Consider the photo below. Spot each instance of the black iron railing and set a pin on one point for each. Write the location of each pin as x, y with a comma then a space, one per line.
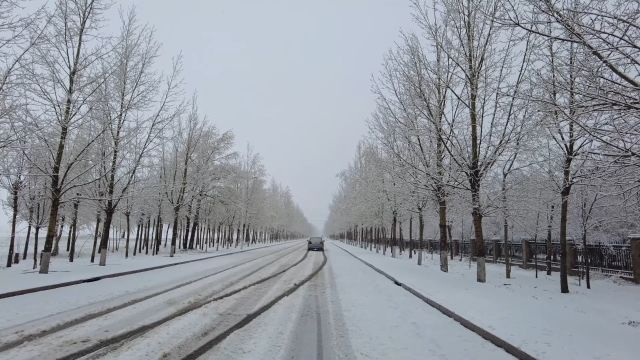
606, 258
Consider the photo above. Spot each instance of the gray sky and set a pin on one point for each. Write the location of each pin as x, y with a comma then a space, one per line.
292, 77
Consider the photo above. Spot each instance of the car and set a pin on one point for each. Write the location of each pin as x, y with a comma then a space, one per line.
315, 243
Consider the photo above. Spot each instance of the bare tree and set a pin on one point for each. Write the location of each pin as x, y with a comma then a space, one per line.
189, 134
136, 110
65, 78
560, 104
483, 54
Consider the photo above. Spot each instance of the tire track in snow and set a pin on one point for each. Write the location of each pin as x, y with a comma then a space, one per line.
40, 333
289, 330
136, 332
122, 336
319, 344
201, 350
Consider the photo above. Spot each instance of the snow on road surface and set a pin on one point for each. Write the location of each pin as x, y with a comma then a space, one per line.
530, 313
179, 337
240, 269
88, 297
351, 312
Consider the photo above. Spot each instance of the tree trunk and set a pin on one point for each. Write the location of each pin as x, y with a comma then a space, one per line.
106, 227
135, 243
35, 246
153, 238
476, 213
73, 230
442, 218
411, 237
585, 257
196, 222
549, 225
218, 237
244, 239
14, 208
535, 241
95, 236
166, 235
401, 238
159, 226
146, 235
56, 193
394, 229
185, 235
420, 235
69, 238
174, 232
29, 226
56, 244
505, 230
564, 281
127, 216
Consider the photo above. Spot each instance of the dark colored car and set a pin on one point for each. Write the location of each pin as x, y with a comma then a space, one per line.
315, 243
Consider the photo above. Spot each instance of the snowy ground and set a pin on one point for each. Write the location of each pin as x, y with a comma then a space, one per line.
347, 311
601, 323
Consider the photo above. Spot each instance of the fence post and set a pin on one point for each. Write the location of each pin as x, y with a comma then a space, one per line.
572, 256
525, 254
635, 256
496, 250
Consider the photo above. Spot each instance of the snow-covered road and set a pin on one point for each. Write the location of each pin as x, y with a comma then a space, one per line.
66, 330
345, 311
349, 311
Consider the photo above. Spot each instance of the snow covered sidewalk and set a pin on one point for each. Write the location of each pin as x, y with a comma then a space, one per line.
601, 323
22, 276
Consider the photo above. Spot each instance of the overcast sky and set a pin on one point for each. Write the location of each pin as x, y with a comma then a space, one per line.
291, 77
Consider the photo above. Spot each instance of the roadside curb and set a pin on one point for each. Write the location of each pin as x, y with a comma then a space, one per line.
123, 273
492, 338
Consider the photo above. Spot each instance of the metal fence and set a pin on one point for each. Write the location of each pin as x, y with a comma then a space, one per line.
606, 258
